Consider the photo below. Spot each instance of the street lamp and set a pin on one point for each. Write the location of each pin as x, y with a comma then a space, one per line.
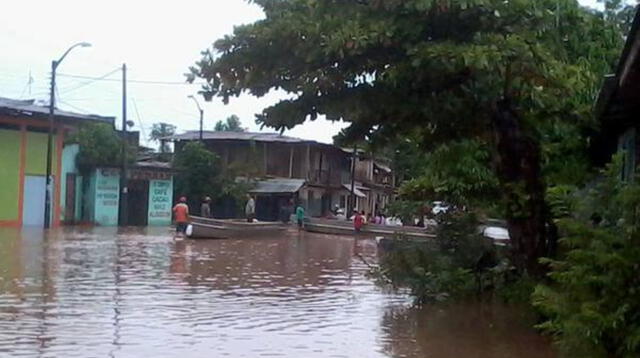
52, 99
201, 114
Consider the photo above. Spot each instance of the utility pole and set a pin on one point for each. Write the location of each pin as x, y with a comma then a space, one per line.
201, 114
352, 198
52, 101
124, 190
52, 106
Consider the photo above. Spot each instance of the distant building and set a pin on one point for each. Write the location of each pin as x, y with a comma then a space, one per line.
618, 108
375, 182
316, 174
23, 149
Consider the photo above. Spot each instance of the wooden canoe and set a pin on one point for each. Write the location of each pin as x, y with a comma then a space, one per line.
205, 228
341, 227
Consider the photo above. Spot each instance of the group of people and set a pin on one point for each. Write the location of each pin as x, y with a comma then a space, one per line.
181, 214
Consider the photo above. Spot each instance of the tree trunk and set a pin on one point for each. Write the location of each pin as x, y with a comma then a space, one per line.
519, 172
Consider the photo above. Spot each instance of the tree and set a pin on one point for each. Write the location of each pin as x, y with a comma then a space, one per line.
488, 70
198, 172
200, 175
100, 145
231, 124
159, 132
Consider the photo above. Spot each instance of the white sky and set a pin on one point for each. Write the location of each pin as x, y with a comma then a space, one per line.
157, 40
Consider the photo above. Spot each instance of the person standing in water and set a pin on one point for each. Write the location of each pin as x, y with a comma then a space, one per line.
250, 209
181, 213
300, 216
205, 208
358, 221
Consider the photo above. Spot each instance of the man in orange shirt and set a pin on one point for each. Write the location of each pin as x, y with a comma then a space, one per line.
181, 212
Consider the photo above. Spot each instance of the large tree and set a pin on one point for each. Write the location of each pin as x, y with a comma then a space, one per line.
490, 70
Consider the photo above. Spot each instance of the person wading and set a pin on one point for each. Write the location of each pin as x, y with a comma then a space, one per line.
181, 213
250, 209
358, 221
300, 216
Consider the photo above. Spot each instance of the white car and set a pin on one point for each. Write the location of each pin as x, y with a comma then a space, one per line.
439, 207
499, 235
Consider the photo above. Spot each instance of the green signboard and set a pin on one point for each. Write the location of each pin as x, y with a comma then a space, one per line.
160, 200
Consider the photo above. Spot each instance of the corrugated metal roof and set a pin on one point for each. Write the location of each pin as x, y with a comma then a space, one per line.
278, 186
16, 107
153, 164
243, 136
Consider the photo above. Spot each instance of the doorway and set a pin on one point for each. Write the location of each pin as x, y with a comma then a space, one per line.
70, 198
33, 201
138, 202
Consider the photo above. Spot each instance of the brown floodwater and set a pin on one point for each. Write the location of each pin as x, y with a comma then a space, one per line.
138, 293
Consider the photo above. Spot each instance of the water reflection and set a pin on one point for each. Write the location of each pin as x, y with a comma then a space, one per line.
137, 292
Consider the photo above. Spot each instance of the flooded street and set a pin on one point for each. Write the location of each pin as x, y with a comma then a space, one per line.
104, 293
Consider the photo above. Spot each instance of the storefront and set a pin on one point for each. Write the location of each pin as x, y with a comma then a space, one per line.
150, 196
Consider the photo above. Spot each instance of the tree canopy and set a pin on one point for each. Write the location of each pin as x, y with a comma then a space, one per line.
100, 145
386, 65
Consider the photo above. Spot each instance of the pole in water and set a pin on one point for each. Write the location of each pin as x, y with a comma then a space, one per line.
124, 190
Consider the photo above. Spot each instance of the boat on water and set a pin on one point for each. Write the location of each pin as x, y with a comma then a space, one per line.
205, 228
342, 227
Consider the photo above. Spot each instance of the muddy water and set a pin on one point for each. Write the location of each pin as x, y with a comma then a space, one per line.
108, 293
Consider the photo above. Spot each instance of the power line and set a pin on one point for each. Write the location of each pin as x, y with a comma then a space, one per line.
74, 107
168, 83
103, 77
135, 107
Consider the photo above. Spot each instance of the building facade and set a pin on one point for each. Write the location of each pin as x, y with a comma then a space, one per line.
288, 169
23, 148
150, 196
618, 108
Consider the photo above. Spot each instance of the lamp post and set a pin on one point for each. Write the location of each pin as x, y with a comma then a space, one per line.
201, 114
52, 99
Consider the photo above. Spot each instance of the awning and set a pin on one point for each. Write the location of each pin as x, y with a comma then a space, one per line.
356, 191
278, 186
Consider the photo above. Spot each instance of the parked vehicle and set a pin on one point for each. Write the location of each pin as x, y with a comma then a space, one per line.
440, 207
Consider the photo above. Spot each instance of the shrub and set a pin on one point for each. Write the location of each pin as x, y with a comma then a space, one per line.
450, 266
592, 303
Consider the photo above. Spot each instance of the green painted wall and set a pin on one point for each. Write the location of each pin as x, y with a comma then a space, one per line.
37, 154
9, 174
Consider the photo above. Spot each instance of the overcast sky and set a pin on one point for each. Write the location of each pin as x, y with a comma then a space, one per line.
157, 40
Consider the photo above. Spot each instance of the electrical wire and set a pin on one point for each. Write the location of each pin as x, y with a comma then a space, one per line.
167, 83
84, 111
135, 107
103, 77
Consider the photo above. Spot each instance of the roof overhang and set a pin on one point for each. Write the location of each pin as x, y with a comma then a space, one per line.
29, 109
278, 186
